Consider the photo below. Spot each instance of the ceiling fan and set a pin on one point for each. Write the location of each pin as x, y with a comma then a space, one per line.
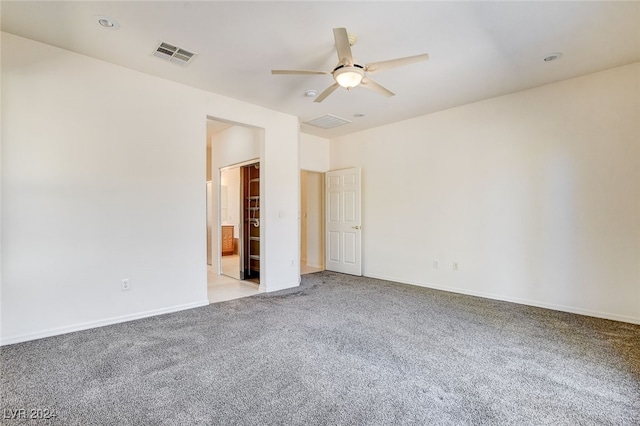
349, 74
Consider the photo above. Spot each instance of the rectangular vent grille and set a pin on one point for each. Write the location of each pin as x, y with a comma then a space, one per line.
174, 54
328, 121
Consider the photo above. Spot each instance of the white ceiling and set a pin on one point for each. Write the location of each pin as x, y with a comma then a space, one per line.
478, 50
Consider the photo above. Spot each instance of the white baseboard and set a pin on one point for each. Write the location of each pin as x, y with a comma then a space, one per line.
282, 286
315, 265
99, 323
562, 308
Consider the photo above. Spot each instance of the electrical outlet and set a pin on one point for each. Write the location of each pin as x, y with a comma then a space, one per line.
436, 264
126, 286
456, 266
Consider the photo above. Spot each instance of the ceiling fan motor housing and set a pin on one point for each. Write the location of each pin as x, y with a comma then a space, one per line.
348, 76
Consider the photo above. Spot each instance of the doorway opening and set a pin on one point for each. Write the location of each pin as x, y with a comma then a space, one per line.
250, 262
232, 148
312, 249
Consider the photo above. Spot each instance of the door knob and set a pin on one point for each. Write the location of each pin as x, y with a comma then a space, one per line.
356, 227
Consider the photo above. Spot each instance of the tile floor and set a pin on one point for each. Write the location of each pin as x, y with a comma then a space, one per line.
222, 287
227, 287
231, 266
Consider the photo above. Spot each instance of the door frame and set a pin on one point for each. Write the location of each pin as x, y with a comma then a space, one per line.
260, 129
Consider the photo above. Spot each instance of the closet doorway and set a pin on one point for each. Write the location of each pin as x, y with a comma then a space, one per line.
250, 255
311, 222
240, 222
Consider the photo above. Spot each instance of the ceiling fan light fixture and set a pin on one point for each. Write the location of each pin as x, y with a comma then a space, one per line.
348, 77
349, 73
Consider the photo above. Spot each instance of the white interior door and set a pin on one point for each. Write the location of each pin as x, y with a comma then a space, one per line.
343, 242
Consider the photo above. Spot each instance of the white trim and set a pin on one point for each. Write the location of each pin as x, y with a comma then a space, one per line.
98, 323
283, 286
552, 306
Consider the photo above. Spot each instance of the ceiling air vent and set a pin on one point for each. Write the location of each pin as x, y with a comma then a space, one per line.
174, 54
327, 121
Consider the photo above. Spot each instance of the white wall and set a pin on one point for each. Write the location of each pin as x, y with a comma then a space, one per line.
314, 153
103, 172
536, 195
235, 145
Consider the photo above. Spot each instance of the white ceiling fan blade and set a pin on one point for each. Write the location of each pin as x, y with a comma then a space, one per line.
304, 72
329, 90
342, 46
370, 84
394, 63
